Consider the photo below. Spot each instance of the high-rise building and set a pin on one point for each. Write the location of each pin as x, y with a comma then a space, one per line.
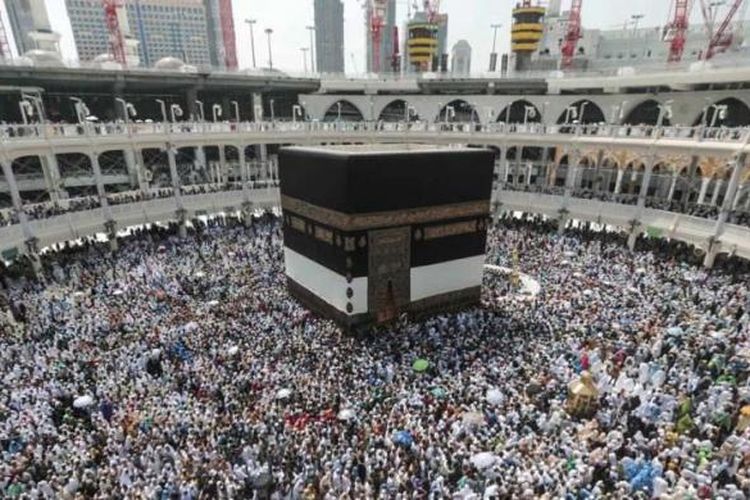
329, 36
388, 40
461, 58
30, 24
426, 43
199, 32
221, 37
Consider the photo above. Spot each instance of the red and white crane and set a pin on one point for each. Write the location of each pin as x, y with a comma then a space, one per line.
572, 34
432, 9
721, 38
676, 29
377, 11
116, 40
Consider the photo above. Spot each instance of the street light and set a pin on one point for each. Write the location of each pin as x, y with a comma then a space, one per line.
312, 29
528, 112
82, 111
202, 114
665, 111
27, 111
269, 31
296, 111
570, 112
250, 23
304, 57
176, 112
163, 106
128, 109
493, 55
236, 106
217, 112
720, 111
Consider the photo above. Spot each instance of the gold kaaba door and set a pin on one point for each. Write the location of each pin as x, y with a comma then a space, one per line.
389, 280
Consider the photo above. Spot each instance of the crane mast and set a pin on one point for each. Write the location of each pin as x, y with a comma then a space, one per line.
572, 34
116, 40
677, 30
721, 38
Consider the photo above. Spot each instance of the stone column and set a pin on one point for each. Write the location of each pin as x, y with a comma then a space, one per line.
717, 189
200, 159
15, 196
260, 149
738, 196
52, 177
99, 179
673, 185
645, 184
704, 189
618, 182
243, 173
223, 161
732, 191
174, 174
571, 176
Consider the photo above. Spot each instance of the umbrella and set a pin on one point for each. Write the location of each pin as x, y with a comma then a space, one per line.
473, 418
569, 253
494, 397
420, 365
403, 438
346, 414
483, 460
675, 330
438, 392
191, 326
213, 303
117, 293
232, 351
199, 274
83, 401
588, 292
283, 393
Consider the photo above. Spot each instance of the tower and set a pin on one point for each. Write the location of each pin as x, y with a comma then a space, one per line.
526, 32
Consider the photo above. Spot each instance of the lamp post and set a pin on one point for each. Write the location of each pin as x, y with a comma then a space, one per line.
570, 112
236, 106
269, 31
665, 111
27, 110
635, 18
163, 107
250, 23
217, 112
82, 111
312, 29
128, 109
493, 55
202, 114
176, 112
273, 112
720, 111
528, 112
304, 57
296, 111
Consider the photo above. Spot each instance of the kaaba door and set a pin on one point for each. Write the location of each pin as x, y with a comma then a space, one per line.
389, 280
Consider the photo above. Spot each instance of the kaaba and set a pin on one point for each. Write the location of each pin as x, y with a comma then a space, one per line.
374, 231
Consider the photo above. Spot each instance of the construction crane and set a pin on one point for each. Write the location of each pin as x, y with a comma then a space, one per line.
572, 34
676, 30
376, 14
432, 9
116, 40
721, 38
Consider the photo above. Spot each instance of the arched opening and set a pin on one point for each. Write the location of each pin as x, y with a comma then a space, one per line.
728, 112
584, 112
397, 110
646, 113
77, 174
156, 167
343, 110
520, 111
190, 170
458, 111
114, 169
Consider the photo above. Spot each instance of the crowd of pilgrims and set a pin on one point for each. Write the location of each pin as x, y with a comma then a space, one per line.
181, 368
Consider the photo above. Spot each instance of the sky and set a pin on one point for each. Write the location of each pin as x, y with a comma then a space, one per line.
468, 19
